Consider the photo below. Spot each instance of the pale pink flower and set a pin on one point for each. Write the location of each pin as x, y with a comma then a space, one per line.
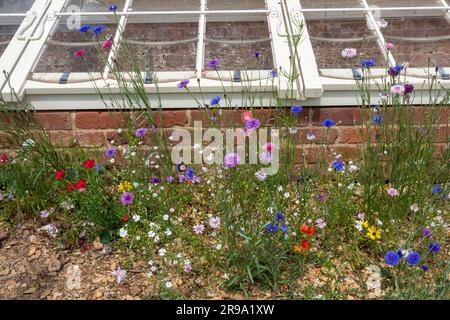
349, 53
214, 222
198, 228
398, 89
392, 192
389, 45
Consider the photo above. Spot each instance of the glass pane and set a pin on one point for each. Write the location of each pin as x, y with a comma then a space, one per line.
91, 5
419, 41
165, 5
160, 45
60, 53
311, 4
236, 4
9, 25
403, 3
330, 37
239, 45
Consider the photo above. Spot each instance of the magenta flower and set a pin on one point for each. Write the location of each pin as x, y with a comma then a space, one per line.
107, 44
79, 53
183, 84
127, 198
213, 63
231, 160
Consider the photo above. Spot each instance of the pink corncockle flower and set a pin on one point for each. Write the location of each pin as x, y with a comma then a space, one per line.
349, 53
79, 53
269, 147
198, 228
389, 45
107, 44
214, 222
392, 192
398, 89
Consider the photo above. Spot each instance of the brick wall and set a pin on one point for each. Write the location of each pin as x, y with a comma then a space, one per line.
99, 128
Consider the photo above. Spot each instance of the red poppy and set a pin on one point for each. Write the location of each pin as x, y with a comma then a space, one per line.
305, 245
247, 115
125, 218
81, 185
70, 187
4, 158
304, 228
59, 174
89, 164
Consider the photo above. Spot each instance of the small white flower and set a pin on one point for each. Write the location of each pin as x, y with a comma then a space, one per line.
168, 284
286, 195
120, 275
119, 130
172, 210
414, 207
136, 217
123, 232
151, 234
162, 252
168, 232
166, 217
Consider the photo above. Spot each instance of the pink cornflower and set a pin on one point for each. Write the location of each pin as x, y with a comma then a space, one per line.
389, 45
198, 228
392, 192
214, 222
320, 223
398, 89
79, 53
349, 53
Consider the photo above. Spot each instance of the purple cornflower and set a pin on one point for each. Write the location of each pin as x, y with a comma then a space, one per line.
110, 152
231, 160
395, 70
257, 54
141, 132
44, 214
272, 228
279, 217
169, 179
338, 165
284, 228
98, 29
436, 189
274, 73
252, 124
154, 180
409, 88
215, 101
214, 63
426, 232
434, 247
328, 123
183, 84
112, 8
127, 198
190, 173
377, 119
424, 267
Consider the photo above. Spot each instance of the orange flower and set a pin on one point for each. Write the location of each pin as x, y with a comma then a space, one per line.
303, 247
304, 228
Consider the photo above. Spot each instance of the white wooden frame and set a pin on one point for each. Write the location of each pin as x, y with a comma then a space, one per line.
315, 87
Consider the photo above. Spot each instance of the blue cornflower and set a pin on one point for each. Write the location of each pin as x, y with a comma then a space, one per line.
85, 28
338, 165
112, 8
284, 228
377, 119
367, 63
274, 73
395, 70
413, 258
272, 228
434, 247
328, 123
110, 152
424, 267
279, 217
400, 254
190, 173
392, 258
98, 29
437, 189
296, 109
99, 168
215, 101
257, 54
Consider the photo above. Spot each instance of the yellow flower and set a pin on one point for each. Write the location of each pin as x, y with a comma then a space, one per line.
365, 224
373, 233
124, 186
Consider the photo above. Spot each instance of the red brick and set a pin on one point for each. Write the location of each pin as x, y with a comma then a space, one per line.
98, 120
55, 120
63, 139
355, 135
322, 135
91, 138
171, 118
340, 115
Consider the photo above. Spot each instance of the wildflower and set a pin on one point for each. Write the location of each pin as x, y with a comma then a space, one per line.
413, 258
155, 180
361, 216
377, 119
127, 198
214, 63
279, 216
98, 29
215, 101
257, 54
110, 152
81, 185
365, 224
198, 228
272, 228
426, 232
349, 53
310, 136
124, 186
436, 189
120, 275
297, 109
169, 179
89, 164
99, 168
85, 28
107, 44
183, 84
338, 165
136, 217
274, 73
409, 88
328, 123
141, 132
190, 173
389, 45
261, 175
44, 214
392, 192
398, 89
79, 53
168, 284
112, 8
51, 230
181, 167
391, 258
123, 232
304, 228
367, 63
320, 223
414, 207
395, 70
4, 158
424, 267
434, 247
214, 222
59, 174
231, 160
252, 124
187, 267
70, 187
265, 157
305, 245
373, 233
247, 115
